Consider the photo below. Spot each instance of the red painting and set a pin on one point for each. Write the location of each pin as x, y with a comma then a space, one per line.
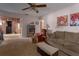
74, 19
62, 20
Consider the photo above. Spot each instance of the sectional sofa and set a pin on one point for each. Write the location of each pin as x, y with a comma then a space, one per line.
67, 42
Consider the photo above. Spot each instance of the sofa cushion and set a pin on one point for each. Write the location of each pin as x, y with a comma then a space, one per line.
52, 37
60, 41
72, 46
59, 35
72, 37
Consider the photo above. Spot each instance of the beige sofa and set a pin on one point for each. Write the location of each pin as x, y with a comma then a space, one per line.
67, 42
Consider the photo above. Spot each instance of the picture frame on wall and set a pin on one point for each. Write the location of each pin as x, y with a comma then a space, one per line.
62, 20
74, 19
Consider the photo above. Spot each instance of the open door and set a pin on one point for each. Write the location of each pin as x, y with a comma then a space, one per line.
9, 27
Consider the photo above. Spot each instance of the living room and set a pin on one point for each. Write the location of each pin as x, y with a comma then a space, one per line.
59, 19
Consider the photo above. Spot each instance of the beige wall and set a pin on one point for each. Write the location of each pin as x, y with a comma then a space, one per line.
51, 19
4, 26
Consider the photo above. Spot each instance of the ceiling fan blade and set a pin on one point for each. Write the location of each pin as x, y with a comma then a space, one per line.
43, 5
30, 4
26, 8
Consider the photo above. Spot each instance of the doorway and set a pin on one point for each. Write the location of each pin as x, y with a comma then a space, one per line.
9, 27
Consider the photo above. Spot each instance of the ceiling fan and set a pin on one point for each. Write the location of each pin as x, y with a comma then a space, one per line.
33, 6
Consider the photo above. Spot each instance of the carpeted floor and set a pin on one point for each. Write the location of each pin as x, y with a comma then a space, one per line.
15, 45
18, 47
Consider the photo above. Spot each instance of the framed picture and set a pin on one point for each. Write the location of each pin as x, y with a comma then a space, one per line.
62, 20
74, 19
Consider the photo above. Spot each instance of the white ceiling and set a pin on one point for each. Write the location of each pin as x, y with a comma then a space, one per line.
17, 8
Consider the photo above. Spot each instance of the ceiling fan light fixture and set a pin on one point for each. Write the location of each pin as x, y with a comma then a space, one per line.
33, 6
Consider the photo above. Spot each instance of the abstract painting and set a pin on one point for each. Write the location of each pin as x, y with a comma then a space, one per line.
74, 19
62, 20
